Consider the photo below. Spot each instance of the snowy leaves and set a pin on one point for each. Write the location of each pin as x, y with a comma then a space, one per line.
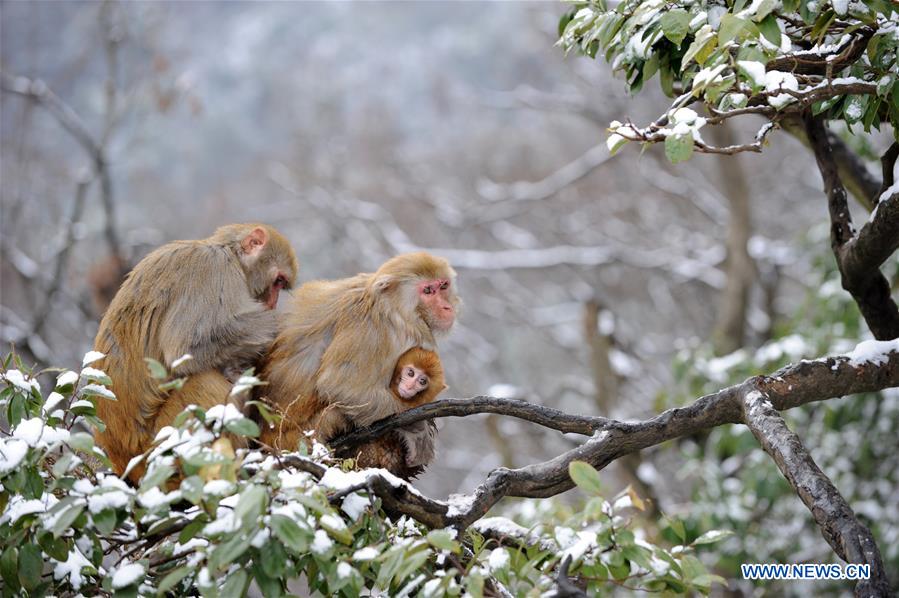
761, 57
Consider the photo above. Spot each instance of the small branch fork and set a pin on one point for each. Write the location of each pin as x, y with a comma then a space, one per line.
755, 402
859, 255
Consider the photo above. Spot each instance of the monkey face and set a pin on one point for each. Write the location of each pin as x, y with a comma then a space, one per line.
411, 382
437, 303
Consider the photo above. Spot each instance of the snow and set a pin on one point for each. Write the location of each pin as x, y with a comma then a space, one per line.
66, 378
21, 381
243, 384
366, 554
876, 352
35, 433
154, 498
218, 487
777, 80
586, 541
224, 413
332, 522
504, 391
459, 504
354, 505
12, 452
498, 560
52, 402
182, 359
93, 373
261, 538
500, 525
840, 6
19, 507
127, 575
793, 347
91, 357
755, 71
223, 523
322, 543
72, 567
291, 479
100, 390
344, 571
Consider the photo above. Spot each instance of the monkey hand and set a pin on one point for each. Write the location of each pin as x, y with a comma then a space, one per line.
419, 439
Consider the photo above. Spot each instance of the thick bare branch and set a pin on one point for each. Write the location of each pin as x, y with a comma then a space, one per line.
37, 91
859, 256
850, 539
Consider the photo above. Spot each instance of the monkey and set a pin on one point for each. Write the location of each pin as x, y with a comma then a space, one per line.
213, 299
417, 380
332, 363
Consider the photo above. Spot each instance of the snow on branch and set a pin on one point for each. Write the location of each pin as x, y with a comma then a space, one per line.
859, 255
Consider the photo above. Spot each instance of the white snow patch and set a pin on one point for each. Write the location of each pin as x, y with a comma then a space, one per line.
66, 378
21, 381
354, 505
12, 452
872, 351
35, 433
366, 554
322, 543
127, 575
459, 504
499, 559
91, 357
755, 71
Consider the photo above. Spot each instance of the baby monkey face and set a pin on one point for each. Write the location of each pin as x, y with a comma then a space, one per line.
412, 381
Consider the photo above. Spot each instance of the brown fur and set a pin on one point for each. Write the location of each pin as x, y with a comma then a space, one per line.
202, 297
332, 365
429, 363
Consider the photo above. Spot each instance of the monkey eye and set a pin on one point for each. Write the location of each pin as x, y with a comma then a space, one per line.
410, 372
423, 381
444, 285
428, 290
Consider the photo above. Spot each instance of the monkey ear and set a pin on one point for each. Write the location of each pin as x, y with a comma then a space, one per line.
254, 242
383, 283
442, 388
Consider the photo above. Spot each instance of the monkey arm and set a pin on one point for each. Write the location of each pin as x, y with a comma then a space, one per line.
215, 319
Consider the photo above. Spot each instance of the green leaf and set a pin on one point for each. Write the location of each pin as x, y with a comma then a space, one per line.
68, 510
81, 441
106, 520
675, 25
236, 584
226, 553
157, 370
251, 504
585, 476
290, 533
191, 530
711, 536
677, 526
172, 579
763, 11
54, 547
441, 539
703, 45
30, 566
768, 27
731, 27
679, 148
157, 475
192, 489
273, 559
243, 427
9, 567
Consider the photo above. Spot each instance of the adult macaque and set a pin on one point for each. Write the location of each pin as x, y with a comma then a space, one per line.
332, 365
212, 299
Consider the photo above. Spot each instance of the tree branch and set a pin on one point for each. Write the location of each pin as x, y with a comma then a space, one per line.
859, 256
887, 164
852, 541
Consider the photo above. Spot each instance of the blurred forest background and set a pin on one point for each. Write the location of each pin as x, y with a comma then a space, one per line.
595, 284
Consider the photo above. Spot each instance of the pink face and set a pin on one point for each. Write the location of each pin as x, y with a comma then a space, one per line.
278, 284
435, 296
412, 381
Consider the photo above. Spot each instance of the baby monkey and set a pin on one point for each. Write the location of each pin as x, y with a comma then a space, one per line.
417, 380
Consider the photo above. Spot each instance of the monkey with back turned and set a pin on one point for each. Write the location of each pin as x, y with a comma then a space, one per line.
213, 299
